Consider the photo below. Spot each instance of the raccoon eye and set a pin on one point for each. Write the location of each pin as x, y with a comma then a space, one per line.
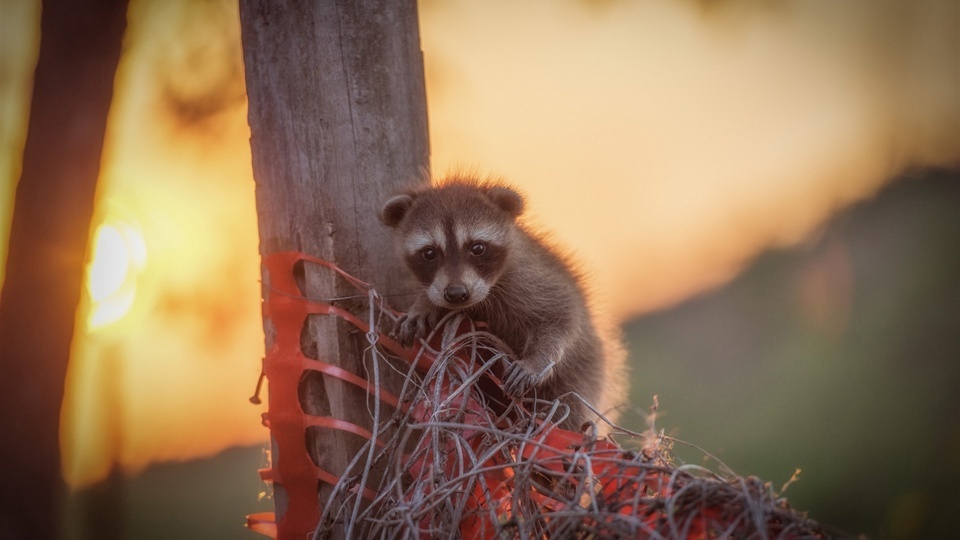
428, 253
478, 248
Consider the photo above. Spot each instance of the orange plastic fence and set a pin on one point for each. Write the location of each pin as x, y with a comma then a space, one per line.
616, 476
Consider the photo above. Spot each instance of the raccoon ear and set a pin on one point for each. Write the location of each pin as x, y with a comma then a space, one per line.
506, 199
394, 209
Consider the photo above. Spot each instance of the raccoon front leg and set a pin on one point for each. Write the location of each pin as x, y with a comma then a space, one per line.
533, 369
416, 322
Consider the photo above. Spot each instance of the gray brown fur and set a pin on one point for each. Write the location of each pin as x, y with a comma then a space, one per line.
528, 294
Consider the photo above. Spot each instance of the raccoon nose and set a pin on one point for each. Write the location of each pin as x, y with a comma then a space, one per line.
456, 294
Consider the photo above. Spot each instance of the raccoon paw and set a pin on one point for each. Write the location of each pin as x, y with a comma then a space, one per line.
518, 380
412, 326
407, 329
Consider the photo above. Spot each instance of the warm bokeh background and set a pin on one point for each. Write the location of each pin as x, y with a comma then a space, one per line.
715, 165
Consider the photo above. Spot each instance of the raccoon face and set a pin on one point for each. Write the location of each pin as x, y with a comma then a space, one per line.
455, 238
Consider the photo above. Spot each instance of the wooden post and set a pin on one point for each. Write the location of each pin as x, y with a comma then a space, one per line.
337, 112
72, 90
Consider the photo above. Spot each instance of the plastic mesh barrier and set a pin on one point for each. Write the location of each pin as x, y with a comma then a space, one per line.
452, 456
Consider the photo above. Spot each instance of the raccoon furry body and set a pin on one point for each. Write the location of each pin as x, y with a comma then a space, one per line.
462, 242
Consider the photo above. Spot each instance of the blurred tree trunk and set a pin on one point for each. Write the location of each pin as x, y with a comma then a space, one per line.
73, 87
337, 111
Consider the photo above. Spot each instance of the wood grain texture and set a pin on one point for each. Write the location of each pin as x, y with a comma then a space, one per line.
337, 111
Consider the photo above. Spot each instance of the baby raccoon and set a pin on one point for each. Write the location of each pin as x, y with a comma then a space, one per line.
462, 242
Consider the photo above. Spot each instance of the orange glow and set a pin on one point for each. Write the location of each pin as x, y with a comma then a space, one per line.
169, 380
667, 143
664, 143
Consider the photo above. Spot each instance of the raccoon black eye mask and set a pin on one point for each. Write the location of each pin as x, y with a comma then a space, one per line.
462, 244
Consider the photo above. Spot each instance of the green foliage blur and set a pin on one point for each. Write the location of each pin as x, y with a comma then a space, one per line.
840, 357
205, 499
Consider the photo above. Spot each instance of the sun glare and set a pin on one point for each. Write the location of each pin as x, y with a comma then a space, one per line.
119, 254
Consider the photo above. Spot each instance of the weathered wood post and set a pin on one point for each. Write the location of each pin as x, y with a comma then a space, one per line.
337, 112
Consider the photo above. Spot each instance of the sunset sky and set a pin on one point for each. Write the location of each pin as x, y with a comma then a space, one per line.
664, 144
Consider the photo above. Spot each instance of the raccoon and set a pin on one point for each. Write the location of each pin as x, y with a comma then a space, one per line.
462, 242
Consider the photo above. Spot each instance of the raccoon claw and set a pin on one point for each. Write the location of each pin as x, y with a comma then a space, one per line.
409, 328
517, 381
412, 326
